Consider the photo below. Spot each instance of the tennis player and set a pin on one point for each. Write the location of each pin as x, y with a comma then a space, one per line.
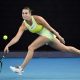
47, 34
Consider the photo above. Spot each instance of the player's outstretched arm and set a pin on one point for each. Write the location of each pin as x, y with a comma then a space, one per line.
16, 38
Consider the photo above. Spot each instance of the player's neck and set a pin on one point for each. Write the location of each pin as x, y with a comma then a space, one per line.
29, 21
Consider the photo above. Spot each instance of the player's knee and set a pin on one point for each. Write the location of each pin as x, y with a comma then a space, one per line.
65, 49
30, 48
70, 48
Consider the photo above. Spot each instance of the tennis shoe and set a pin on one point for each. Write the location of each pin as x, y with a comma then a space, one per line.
17, 69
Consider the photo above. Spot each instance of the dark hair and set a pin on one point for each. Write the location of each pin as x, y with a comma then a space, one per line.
28, 9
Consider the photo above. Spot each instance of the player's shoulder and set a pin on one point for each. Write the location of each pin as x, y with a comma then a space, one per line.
37, 16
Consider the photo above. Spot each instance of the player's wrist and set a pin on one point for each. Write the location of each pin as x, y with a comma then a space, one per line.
8, 46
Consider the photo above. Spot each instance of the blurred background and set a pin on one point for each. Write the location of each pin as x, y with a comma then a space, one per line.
62, 15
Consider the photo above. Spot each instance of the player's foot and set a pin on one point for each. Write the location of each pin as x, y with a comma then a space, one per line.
17, 69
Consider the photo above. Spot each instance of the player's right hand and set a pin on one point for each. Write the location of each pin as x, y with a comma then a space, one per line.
6, 49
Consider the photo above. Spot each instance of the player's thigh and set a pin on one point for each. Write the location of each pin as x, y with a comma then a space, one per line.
56, 44
40, 41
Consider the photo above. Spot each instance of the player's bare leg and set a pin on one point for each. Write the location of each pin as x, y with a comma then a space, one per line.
60, 46
40, 41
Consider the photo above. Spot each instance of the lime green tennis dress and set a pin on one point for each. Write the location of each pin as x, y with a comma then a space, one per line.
39, 29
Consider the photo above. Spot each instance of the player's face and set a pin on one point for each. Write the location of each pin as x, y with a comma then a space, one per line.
26, 15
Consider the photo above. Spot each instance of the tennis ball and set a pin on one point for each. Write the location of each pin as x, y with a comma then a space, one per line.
5, 37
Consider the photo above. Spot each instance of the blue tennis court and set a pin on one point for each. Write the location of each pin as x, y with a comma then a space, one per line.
43, 69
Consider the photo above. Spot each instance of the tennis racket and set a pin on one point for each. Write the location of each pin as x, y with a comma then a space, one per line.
1, 61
